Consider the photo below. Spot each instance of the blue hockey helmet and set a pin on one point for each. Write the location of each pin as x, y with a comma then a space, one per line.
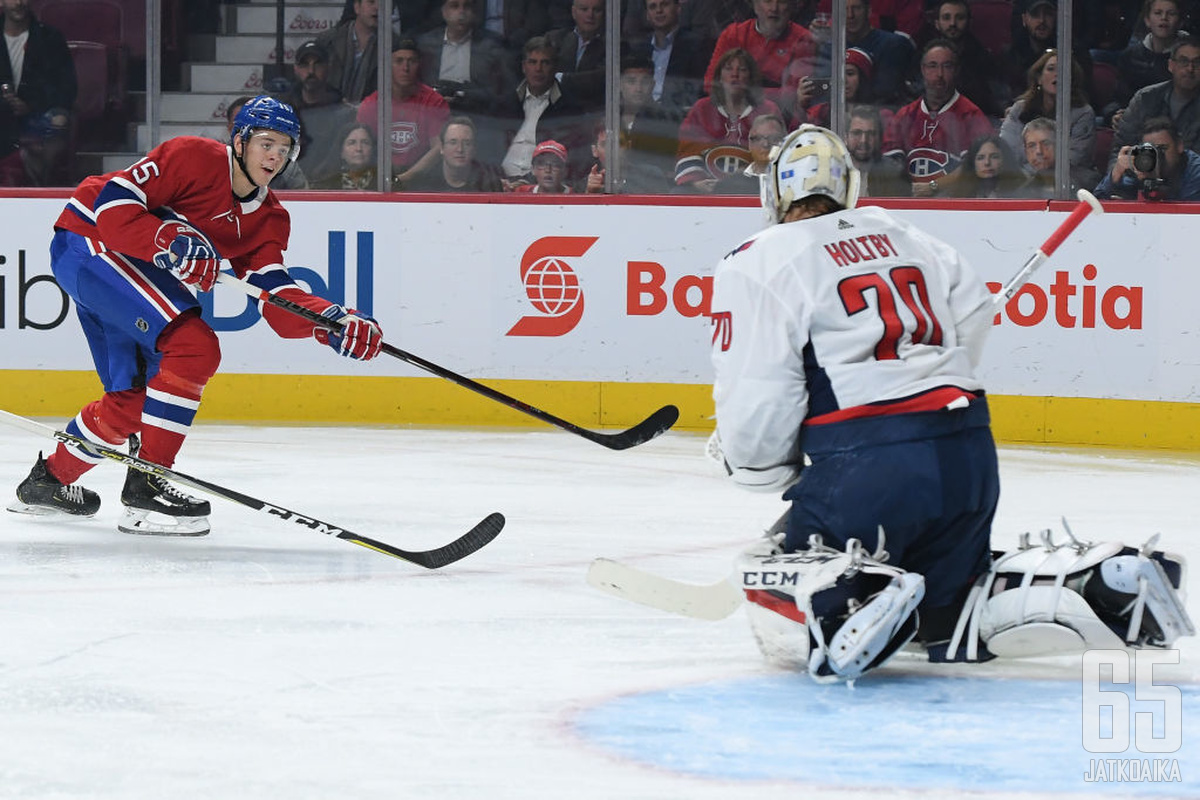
266, 113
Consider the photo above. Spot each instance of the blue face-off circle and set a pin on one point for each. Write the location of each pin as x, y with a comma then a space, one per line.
908, 732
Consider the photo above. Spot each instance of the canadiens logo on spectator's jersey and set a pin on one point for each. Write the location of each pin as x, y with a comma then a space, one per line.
726, 159
925, 163
404, 136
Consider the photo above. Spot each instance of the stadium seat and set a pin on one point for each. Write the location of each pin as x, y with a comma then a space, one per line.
1101, 148
1104, 86
98, 21
91, 72
991, 22
85, 20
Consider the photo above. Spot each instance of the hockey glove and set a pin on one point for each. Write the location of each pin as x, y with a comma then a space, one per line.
360, 337
184, 252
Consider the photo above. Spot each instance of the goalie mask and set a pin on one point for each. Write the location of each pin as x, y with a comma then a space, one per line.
811, 160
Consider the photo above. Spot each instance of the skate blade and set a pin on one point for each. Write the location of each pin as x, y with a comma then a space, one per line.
17, 507
148, 523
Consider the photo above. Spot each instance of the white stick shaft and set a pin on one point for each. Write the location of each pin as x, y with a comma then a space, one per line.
1087, 204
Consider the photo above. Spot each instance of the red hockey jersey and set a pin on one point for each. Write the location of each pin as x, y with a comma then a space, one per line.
931, 144
190, 179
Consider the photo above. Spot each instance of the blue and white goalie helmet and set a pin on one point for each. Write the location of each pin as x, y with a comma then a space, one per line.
810, 160
266, 113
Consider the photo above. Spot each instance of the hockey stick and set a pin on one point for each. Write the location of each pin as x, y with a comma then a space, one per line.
644, 431
712, 602
1087, 204
468, 543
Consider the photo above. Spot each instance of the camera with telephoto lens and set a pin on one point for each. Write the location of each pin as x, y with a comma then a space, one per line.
1149, 160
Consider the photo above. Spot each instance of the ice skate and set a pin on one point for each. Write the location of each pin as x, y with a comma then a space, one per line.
154, 507
42, 494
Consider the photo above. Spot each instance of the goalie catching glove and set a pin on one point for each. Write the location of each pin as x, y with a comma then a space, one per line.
359, 336
184, 251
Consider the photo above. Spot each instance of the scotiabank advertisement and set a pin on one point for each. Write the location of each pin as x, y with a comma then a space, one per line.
620, 293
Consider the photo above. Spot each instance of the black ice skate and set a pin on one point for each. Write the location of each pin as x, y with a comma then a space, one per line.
155, 507
42, 494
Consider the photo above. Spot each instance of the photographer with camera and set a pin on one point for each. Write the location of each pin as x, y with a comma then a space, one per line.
1159, 168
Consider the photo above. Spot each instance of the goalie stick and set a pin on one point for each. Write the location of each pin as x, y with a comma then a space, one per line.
463, 546
1087, 204
644, 431
711, 602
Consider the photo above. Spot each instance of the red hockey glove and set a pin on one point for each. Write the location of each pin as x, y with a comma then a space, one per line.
184, 252
360, 337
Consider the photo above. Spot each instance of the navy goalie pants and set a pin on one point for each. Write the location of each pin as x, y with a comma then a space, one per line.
929, 478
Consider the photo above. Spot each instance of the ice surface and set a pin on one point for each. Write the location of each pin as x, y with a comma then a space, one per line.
269, 661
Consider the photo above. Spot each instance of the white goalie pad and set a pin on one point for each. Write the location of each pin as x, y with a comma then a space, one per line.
837, 614
1054, 599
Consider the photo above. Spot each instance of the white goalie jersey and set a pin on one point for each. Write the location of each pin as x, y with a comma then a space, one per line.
879, 318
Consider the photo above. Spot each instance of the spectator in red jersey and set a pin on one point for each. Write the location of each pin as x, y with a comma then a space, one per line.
418, 113
715, 135
773, 41
930, 135
549, 170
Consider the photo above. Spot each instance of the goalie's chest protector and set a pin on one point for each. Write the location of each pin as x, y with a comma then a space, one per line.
865, 302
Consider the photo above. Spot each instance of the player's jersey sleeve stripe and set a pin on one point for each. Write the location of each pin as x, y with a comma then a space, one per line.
271, 278
132, 188
81, 211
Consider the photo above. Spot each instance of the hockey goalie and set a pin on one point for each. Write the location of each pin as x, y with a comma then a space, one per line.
844, 350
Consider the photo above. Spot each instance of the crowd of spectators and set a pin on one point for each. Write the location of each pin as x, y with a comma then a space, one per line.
504, 95
509, 95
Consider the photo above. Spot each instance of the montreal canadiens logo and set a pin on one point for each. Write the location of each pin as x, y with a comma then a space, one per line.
552, 286
925, 163
726, 159
404, 136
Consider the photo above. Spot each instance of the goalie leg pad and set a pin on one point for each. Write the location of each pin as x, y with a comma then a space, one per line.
871, 632
838, 614
1060, 598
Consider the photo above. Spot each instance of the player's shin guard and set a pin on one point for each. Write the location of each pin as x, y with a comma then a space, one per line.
1053, 599
840, 614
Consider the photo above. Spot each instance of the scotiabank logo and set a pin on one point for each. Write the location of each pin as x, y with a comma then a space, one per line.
552, 285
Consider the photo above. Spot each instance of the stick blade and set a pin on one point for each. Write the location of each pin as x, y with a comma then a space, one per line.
712, 602
651, 427
483, 533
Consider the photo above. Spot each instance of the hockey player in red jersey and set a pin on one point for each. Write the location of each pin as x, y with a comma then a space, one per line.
844, 352
131, 248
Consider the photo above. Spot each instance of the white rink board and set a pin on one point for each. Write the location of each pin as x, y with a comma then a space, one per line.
445, 279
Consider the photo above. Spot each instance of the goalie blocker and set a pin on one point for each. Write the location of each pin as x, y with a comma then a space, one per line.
841, 614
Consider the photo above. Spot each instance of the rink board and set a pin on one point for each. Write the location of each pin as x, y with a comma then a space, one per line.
597, 312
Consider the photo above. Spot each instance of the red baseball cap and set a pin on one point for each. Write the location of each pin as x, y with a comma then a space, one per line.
551, 147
